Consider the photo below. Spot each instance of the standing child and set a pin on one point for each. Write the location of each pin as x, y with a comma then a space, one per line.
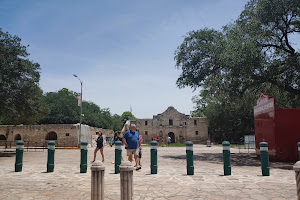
99, 146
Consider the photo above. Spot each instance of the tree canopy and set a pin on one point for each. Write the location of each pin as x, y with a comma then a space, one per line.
20, 94
64, 110
127, 116
233, 66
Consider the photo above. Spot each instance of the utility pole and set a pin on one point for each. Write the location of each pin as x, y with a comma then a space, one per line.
79, 139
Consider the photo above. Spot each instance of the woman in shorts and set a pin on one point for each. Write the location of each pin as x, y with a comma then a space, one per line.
99, 146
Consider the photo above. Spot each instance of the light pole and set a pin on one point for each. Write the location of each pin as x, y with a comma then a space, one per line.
79, 140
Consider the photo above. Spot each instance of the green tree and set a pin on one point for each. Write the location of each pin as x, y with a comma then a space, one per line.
253, 51
233, 66
65, 110
95, 116
127, 116
20, 94
63, 107
117, 122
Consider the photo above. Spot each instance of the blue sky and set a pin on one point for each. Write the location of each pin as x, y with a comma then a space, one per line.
123, 51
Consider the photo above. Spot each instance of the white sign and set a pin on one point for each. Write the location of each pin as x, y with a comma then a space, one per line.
249, 141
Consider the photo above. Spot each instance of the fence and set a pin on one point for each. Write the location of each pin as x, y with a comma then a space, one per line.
240, 146
6, 146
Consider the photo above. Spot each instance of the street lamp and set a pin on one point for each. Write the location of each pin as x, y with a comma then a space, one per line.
79, 140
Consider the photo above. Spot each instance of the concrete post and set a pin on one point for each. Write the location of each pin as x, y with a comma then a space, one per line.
97, 186
298, 149
126, 180
297, 176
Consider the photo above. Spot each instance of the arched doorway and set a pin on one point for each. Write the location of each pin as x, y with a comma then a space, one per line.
3, 140
51, 136
172, 136
18, 137
2, 137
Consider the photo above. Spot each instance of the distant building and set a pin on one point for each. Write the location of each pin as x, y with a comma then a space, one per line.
178, 126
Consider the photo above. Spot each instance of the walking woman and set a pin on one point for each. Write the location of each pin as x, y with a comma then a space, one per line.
99, 146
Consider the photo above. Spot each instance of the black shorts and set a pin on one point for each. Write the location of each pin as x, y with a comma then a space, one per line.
99, 146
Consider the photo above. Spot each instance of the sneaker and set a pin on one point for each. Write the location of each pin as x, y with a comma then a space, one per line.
138, 168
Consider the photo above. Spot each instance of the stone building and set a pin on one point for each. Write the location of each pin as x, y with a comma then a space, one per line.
178, 126
65, 135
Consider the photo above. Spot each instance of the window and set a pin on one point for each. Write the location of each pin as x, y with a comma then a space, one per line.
195, 122
67, 134
184, 123
146, 132
196, 132
171, 122
146, 123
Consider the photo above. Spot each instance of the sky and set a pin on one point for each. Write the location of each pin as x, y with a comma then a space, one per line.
123, 51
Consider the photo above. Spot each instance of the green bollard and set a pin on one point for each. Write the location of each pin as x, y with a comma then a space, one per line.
19, 156
118, 156
299, 149
83, 158
226, 158
153, 147
264, 157
189, 158
50, 161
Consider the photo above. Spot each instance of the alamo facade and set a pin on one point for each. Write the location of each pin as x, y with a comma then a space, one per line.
178, 126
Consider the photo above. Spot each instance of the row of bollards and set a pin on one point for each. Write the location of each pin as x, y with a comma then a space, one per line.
50, 158
264, 156
153, 148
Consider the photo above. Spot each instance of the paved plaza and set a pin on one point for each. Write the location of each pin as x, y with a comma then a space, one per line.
171, 182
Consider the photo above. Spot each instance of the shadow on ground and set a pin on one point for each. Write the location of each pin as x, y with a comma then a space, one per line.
237, 159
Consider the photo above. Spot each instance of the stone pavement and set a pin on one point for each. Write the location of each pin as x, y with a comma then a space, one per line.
171, 182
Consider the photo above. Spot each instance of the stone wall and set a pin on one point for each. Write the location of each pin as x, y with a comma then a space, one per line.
37, 135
